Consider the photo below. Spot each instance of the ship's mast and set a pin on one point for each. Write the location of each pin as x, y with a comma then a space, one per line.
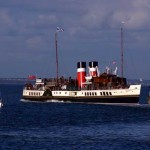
122, 61
56, 45
56, 55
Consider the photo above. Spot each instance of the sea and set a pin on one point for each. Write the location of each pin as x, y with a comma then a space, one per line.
67, 126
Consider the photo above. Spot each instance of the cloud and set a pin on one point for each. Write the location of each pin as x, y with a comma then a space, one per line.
34, 42
6, 22
78, 14
109, 15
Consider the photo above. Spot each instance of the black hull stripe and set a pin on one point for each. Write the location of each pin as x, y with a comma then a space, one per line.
87, 100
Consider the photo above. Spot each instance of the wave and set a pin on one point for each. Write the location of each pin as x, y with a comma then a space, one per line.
90, 103
47, 101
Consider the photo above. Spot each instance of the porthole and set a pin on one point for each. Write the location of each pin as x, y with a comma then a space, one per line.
104, 93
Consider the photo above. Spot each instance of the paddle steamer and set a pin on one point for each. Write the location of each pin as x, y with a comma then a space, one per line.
93, 88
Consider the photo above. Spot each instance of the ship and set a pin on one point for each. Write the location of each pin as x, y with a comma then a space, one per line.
93, 87
1, 100
89, 86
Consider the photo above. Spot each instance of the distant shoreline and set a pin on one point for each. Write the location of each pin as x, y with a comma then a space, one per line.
14, 80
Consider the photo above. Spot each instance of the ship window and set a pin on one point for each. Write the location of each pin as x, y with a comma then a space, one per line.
59, 92
110, 93
104, 93
85, 93
65, 92
92, 93
95, 93
107, 93
100, 93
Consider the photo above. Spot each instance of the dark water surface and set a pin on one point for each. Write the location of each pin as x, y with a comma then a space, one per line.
60, 126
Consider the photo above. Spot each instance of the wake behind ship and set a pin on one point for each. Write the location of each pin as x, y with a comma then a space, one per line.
91, 87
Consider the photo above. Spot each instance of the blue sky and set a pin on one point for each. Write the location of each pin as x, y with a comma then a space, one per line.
92, 33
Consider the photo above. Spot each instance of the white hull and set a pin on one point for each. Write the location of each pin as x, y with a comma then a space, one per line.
1, 104
128, 95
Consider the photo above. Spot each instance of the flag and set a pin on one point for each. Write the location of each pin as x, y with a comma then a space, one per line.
31, 77
59, 29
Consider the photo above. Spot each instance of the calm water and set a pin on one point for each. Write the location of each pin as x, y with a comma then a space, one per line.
48, 126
